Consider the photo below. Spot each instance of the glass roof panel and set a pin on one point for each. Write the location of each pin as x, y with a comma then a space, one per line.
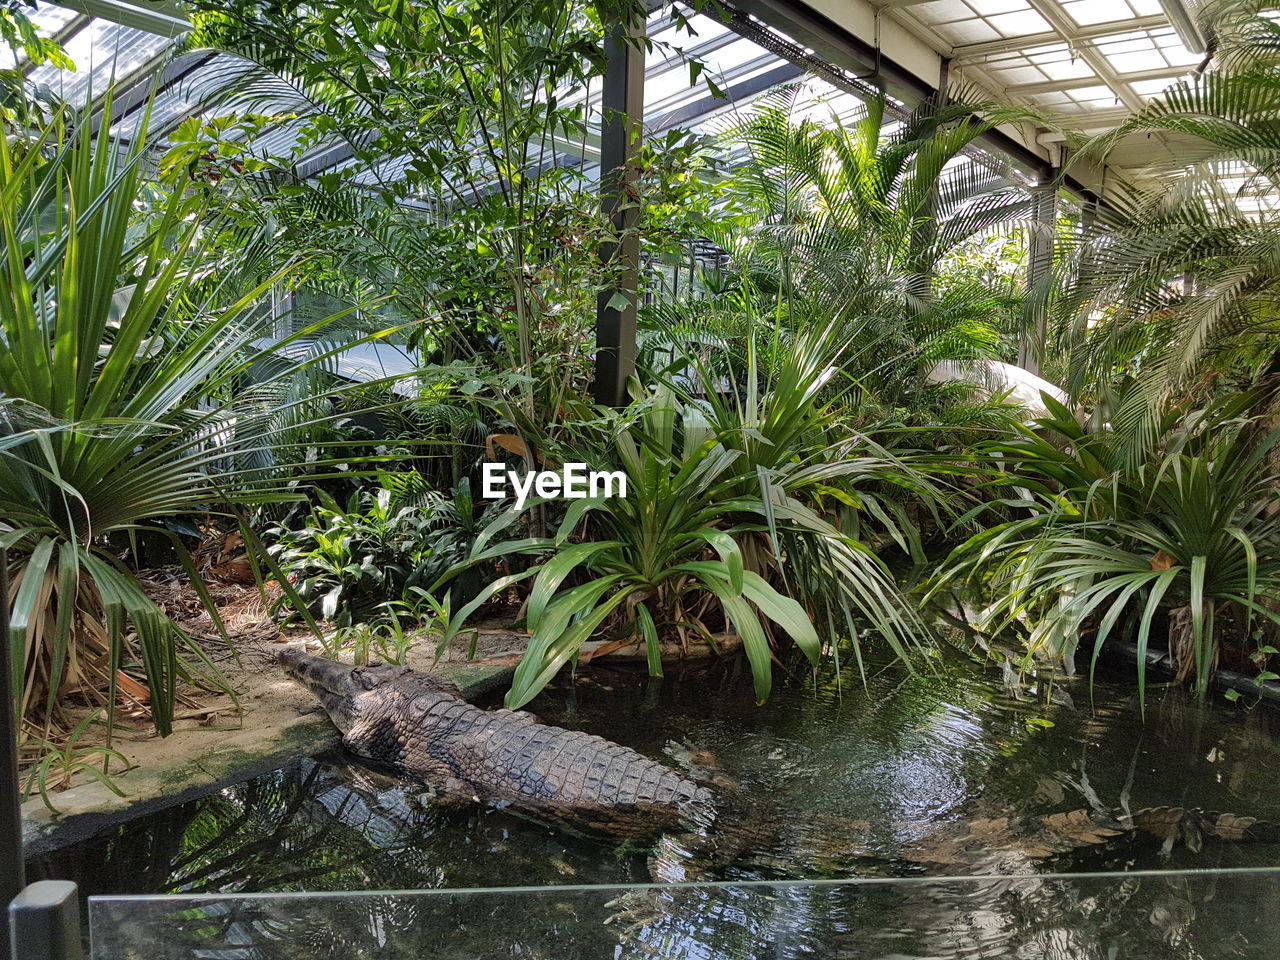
987, 8
1063, 65
1018, 23
1048, 53
705, 29
1149, 88
1030, 51
1020, 73
103, 53
967, 31
1085, 13
49, 19
190, 90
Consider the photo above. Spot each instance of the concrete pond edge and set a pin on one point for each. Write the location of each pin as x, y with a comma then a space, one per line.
89, 808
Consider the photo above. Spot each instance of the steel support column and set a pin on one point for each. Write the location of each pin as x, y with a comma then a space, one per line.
1040, 238
623, 106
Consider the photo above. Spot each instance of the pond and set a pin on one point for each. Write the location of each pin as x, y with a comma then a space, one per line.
940, 773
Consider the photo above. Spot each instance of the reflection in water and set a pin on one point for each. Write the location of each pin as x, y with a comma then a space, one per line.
1082, 917
853, 780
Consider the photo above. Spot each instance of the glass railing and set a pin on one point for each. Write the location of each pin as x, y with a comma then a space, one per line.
1212, 914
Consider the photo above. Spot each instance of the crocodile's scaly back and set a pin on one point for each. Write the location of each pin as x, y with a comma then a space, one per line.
420, 724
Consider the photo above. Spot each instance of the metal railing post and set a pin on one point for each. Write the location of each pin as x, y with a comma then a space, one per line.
12, 878
44, 922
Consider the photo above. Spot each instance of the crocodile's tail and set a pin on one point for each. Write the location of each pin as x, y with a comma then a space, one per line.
1039, 837
1192, 825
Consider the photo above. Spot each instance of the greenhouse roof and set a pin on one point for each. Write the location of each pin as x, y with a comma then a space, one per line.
1091, 62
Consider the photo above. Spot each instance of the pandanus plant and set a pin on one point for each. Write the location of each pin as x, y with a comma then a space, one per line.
134, 389
1093, 548
662, 562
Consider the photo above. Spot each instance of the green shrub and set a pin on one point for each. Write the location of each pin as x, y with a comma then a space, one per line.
348, 561
708, 539
368, 562
1099, 548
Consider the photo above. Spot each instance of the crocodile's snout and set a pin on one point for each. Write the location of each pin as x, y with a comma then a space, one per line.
318, 675
341, 687
336, 685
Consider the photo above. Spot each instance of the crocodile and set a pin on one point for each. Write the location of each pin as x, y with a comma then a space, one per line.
420, 725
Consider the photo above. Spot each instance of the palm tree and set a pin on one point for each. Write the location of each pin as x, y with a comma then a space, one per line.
1179, 273
854, 219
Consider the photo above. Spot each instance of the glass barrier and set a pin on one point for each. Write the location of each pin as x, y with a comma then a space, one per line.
1211, 914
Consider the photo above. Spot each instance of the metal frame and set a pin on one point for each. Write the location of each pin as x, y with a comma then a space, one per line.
1072, 36
161, 17
1060, 22
872, 67
1078, 83
44, 922
888, 43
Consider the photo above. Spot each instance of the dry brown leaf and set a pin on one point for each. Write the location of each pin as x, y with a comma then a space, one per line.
131, 688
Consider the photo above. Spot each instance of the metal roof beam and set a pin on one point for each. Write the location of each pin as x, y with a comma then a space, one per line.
1079, 83
161, 17
1060, 21
622, 102
1095, 121
848, 44
724, 78
708, 107
1069, 35
135, 92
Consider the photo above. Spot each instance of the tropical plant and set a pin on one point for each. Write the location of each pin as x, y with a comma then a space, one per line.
647, 572
849, 222
19, 34
1100, 547
1175, 276
139, 385
346, 562
779, 389
368, 562
63, 761
712, 537
457, 196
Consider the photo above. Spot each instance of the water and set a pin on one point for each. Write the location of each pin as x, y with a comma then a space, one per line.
907, 776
